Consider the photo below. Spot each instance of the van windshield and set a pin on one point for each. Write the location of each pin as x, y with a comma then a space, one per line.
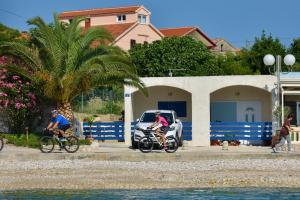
150, 117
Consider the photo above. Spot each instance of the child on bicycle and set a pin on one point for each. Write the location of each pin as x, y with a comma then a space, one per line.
59, 124
160, 125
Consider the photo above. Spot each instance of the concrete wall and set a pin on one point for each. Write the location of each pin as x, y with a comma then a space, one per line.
246, 93
112, 19
160, 93
141, 33
200, 88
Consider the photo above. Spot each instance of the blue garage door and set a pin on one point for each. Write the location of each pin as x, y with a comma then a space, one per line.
178, 106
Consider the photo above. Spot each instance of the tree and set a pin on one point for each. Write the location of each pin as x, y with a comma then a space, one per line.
295, 50
262, 46
157, 58
62, 63
234, 64
8, 34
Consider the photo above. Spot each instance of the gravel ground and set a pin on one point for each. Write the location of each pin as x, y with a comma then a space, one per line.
88, 174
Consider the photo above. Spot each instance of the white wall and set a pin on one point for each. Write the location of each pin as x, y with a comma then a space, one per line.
201, 88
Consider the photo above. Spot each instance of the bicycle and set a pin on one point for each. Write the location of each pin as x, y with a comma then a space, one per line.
69, 143
147, 142
1, 143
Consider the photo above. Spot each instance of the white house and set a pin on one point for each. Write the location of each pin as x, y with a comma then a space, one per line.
202, 100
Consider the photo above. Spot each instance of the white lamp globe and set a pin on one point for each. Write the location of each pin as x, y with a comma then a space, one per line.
269, 60
289, 60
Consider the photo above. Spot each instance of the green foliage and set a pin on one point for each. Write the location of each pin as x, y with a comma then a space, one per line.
96, 105
262, 46
8, 34
233, 64
295, 50
21, 140
157, 58
89, 120
63, 64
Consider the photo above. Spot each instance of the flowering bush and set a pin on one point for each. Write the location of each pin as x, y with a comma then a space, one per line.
17, 99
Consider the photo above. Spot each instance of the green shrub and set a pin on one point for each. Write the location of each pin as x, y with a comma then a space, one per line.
20, 139
33, 140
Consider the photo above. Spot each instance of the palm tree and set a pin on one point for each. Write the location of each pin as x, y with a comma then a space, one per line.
62, 61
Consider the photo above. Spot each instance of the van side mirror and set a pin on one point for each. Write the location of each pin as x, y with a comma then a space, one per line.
137, 120
177, 120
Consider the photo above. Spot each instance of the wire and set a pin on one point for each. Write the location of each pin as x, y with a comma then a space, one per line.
11, 13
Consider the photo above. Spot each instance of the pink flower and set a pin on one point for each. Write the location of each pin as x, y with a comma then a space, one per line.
20, 82
6, 103
2, 94
18, 106
15, 77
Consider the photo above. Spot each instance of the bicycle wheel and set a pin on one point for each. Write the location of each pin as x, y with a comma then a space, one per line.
172, 144
46, 144
145, 144
72, 144
1, 143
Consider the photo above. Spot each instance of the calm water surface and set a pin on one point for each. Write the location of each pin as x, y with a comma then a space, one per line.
231, 193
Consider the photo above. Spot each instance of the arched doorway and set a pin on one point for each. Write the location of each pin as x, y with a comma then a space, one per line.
164, 98
242, 113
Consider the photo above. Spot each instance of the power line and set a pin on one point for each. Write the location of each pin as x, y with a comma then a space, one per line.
11, 13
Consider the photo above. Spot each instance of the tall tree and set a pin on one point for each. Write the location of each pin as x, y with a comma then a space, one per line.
262, 46
295, 49
8, 34
157, 58
63, 64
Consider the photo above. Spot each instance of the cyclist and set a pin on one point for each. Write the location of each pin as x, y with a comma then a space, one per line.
59, 124
160, 125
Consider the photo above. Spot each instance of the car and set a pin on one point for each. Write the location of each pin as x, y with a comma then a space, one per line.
148, 118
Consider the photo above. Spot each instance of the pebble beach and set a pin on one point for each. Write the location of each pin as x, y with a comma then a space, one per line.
85, 173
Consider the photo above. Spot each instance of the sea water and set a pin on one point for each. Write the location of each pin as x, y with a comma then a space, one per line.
174, 194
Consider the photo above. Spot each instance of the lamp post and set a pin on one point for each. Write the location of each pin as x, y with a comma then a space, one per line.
269, 60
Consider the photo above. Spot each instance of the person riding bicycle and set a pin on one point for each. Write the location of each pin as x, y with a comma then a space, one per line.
160, 125
58, 124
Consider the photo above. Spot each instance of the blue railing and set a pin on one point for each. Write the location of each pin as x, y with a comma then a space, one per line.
115, 130
186, 128
105, 130
240, 131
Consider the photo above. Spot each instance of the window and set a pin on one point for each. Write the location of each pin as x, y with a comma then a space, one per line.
142, 19
222, 47
70, 21
150, 117
178, 106
132, 43
121, 18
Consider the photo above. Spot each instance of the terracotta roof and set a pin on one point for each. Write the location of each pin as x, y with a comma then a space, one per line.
99, 11
182, 31
116, 29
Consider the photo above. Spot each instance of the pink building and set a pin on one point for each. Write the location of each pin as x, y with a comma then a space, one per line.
131, 25
128, 25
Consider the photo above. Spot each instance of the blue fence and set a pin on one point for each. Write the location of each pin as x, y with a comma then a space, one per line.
186, 128
115, 130
105, 130
240, 131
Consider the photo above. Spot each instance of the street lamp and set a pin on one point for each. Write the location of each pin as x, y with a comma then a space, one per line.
269, 60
